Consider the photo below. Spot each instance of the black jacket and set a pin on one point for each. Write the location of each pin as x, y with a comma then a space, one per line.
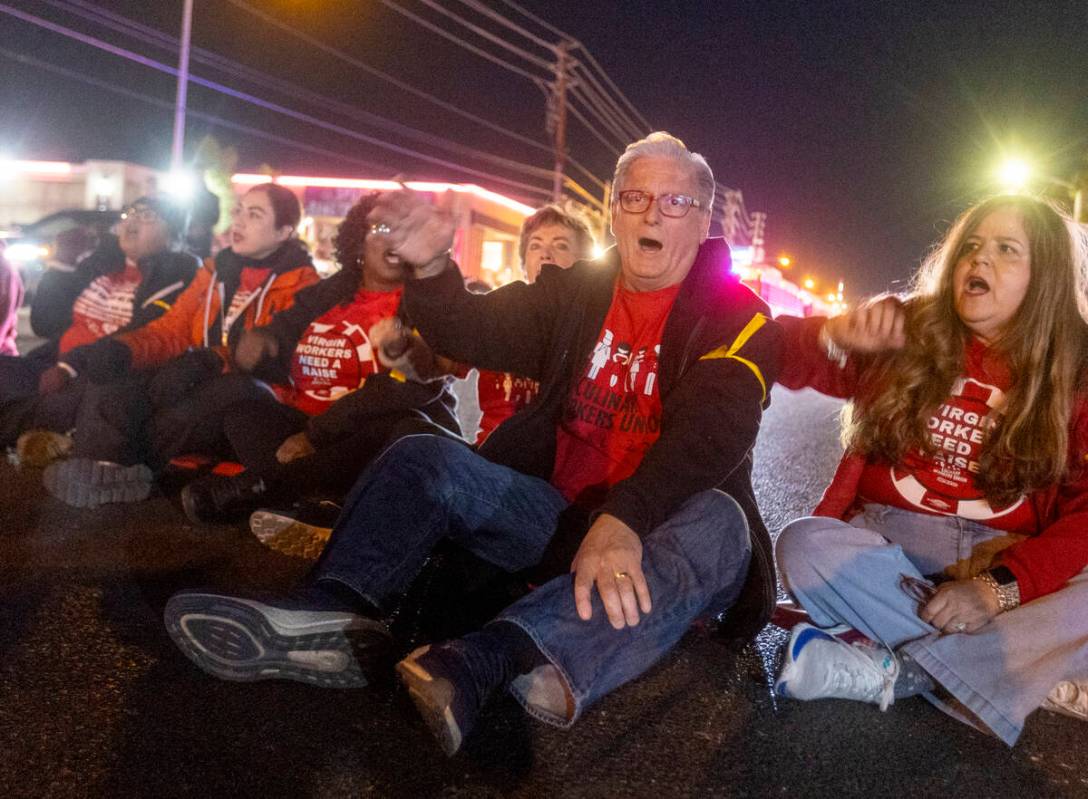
165, 274
381, 399
719, 356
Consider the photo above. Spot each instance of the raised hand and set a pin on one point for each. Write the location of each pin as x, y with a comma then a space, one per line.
875, 325
418, 232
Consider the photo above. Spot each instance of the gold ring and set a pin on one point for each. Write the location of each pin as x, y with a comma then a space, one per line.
621, 575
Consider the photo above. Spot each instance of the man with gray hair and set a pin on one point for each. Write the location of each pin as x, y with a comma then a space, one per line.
630, 474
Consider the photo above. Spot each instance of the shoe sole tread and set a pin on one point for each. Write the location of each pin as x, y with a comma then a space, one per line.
233, 640
86, 483
432, 699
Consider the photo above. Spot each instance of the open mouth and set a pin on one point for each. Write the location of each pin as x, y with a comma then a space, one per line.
976, 285
647, 244
391, 257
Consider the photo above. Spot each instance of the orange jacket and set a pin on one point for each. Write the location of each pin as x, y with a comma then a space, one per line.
195, 314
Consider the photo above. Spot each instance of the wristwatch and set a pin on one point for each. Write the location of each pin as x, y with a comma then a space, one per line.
1003, 582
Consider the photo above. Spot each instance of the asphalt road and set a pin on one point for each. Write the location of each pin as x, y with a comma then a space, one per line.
95, 700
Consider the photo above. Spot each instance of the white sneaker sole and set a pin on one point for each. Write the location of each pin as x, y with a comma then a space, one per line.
244, 640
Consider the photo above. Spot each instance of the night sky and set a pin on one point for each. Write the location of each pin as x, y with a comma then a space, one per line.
861, 129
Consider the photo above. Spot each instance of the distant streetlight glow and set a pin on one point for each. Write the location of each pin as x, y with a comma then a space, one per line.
1014, 174
784, 261
810, 284
598, 251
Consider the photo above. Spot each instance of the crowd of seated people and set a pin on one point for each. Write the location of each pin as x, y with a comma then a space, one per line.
620, 400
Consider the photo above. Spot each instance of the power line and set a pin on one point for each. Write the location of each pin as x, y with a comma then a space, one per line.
253, 100
491, 37
259, 78
384, 76
349, 59
460, 42
593, 61
505, 21
214, 120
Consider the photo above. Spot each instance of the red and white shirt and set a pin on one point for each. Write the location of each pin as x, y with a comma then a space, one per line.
944, 483
613, 414
501, 395
104, 307
334, 356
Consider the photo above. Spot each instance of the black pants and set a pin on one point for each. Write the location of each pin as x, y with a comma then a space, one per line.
256, 432
22, 408
125, 423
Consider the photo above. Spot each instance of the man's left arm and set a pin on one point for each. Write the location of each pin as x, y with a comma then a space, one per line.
708, 427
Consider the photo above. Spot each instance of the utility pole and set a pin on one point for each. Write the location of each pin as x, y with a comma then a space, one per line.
178, 145
557, 116
731, 215
759, 225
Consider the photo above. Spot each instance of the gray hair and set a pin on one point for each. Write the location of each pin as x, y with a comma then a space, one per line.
664, 145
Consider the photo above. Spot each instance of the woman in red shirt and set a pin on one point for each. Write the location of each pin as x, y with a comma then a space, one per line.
953, 536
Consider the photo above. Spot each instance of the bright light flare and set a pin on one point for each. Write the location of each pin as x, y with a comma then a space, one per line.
180, 184
22, 252
784, 261
597, 252
1014, 174
809, 283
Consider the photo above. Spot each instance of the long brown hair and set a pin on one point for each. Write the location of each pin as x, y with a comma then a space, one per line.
1045, 346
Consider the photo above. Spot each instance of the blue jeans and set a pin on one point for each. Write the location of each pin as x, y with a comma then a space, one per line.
425, 488
849, 573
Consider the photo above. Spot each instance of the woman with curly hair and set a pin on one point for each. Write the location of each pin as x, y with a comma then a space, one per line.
332, 402
953, 539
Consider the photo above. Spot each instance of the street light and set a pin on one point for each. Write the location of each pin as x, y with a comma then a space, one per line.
1014, 175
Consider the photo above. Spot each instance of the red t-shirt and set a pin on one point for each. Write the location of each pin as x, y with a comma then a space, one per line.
944, 483
613, 413
501, 395
334, 356
104, 307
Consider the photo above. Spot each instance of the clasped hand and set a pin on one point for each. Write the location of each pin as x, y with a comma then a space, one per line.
873, 326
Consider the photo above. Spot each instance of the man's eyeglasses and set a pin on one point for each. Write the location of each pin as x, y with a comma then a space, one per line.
635, 201
139, 215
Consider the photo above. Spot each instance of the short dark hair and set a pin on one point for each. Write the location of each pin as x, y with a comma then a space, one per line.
350, 239
554, 215
286, 209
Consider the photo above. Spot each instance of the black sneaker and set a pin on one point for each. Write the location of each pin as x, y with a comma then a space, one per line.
87, 483
441, 684
308, 637
301, 532
221, 500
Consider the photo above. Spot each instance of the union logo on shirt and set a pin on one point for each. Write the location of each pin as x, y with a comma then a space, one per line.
945, 482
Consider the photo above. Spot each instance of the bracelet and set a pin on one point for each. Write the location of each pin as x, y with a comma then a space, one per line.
834, 352
1008, 595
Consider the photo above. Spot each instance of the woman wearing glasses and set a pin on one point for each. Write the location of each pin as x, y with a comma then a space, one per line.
953, 536
147, 407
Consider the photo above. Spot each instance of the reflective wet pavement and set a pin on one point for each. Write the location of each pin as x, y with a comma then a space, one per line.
95, 701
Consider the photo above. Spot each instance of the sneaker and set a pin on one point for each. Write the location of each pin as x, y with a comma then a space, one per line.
308, 637
821, 666
39, 448
87, 483
301, 532
441, 685
1070, 699
221, 500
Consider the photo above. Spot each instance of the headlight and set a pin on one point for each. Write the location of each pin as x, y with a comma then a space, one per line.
23, 252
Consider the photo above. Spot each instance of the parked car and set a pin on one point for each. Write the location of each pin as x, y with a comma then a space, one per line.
56, 241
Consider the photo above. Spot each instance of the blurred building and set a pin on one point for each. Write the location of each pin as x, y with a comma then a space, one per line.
487, 223
30, 190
